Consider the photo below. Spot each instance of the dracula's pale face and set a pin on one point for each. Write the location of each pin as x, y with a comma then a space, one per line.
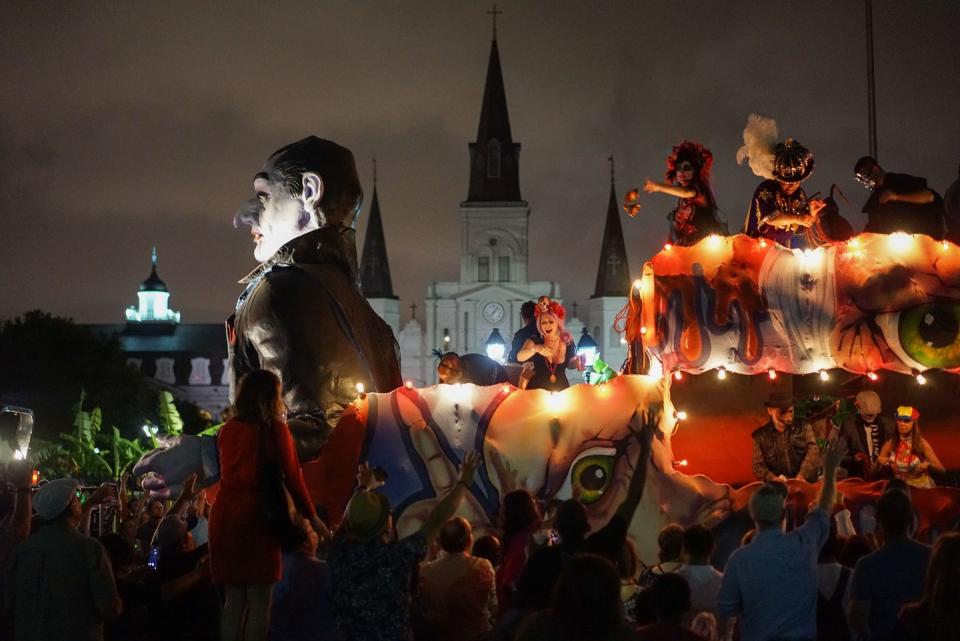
279, 219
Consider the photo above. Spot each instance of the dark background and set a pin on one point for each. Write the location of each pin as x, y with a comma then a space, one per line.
143, 123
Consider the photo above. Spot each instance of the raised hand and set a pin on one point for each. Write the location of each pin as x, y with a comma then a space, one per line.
650, 186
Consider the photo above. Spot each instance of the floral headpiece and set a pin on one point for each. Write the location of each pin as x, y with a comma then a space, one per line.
696, 153
544, 304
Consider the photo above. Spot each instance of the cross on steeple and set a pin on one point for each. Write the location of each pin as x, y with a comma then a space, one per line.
494, 12
153, 256
614, 261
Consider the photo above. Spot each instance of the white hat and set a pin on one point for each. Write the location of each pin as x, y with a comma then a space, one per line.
53, 498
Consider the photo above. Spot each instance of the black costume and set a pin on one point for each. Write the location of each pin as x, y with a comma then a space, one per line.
303, 317
894, 215
519, 338
542, 370
695, 218
865, 438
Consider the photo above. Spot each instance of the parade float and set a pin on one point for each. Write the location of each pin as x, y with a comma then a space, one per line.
712, 328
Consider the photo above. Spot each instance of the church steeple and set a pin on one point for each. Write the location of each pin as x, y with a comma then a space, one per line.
613, 273
494, 157
374, 269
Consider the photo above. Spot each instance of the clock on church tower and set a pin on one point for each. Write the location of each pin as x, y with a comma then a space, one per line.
493, 312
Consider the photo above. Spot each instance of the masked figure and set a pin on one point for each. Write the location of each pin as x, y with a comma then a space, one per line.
688, 178
780, 210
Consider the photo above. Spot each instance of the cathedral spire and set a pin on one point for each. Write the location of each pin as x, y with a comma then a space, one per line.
494, 157
374, 268
613, 273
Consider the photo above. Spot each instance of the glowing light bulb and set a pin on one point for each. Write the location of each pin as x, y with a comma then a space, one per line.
681, 463
408, 384
944, 245
714, 241
678, 375
872, 375
667, 247
824, 375
772, 373
360, 389
854, 243
899, 241
921, 379
763, 242
505, 389
638, 284
643, 330
681, 415
623, 341
722, 373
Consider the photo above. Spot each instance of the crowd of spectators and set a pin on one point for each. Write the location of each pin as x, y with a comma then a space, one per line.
544, 573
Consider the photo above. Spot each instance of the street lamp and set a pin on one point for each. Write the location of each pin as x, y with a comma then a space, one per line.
495, 346
587, 347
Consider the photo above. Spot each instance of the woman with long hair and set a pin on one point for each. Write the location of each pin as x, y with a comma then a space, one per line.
688, 179
552, 351
908, 454
936, 616
245, 554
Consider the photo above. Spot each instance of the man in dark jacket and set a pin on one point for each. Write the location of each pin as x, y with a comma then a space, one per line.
899, 202
529, 330
302, 314
783, 449
864, 434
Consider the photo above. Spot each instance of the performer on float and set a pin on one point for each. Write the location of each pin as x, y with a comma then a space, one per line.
552, 351
780, 209
865, 434
908, 454
783, 449
688, 178
899, 202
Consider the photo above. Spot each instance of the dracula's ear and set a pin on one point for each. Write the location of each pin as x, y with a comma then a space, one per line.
312, 195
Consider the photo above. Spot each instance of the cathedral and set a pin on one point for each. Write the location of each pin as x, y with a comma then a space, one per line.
483, 306
463, 316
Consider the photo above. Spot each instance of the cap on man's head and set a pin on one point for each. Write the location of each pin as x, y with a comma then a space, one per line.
907, 413
868, 402
367, 514
53, 498
766, 505
779, 400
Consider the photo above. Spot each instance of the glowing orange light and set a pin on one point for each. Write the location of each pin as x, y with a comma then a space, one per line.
763, 242
35, 477
722, 373
772, 373
408, 384
643, 331
678, 375
681, 415
872, 376
667, 247
944, 245
681, 463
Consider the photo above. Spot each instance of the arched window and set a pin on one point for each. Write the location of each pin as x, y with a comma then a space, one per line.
493, 159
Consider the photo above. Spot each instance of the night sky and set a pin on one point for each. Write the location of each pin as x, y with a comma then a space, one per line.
139, 123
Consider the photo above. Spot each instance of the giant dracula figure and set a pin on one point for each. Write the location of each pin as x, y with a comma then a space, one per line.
302, 314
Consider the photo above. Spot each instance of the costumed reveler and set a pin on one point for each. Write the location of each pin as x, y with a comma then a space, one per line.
552, 351
780, 210
688, 178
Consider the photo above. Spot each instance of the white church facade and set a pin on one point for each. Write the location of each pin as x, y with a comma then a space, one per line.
462, 315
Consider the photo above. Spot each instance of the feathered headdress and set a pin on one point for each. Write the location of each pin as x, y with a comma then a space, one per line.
544, 304
696, 153
759, 145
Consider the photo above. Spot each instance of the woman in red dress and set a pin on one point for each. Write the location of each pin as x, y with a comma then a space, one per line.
245, 554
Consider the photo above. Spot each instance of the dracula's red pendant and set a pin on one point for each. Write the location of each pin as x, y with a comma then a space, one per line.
553, 378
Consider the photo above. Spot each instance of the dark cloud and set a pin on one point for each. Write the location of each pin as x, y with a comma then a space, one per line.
142, 123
